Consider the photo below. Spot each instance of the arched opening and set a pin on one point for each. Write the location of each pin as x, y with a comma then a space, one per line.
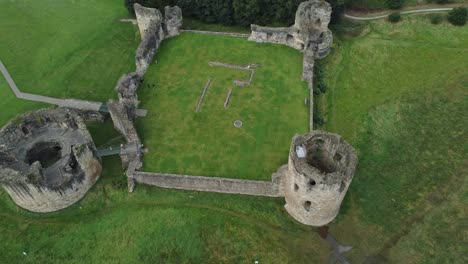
307, 205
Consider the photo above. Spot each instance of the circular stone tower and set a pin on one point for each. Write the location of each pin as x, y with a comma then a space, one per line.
320, 169
47, 159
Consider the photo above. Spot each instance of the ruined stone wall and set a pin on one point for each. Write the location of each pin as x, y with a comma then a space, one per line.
309, 34
154, 28
310, 30
209, 184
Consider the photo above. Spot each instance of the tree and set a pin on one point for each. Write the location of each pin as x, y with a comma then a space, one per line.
394, 17
395, 4
246, 12
436, 19
458, 16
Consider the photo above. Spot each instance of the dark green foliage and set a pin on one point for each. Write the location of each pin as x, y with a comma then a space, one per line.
238, 12
319, 83
246, 12
394, 17
436, 19
442, 1
458, 16
394, 4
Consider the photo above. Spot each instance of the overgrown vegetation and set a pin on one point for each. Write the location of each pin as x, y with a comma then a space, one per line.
319, 88
436, 19
394, 17
395, 4
458, 16
238, 12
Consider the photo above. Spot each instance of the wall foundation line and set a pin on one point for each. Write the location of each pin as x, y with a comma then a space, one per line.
205, 89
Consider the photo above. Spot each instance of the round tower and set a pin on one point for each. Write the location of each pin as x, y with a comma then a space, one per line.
320, 169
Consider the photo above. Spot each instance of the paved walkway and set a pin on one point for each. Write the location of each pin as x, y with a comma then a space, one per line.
426, 10
70, 103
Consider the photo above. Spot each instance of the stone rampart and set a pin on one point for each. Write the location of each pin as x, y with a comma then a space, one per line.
209, 184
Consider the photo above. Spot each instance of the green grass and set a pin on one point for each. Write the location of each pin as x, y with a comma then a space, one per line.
157, 226
67, 48
206, 143
398, 93
190, 23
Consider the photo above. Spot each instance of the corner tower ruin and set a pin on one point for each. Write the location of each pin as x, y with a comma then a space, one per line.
320, 169
48, 159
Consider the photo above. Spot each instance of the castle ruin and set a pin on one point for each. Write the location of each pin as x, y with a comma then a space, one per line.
48, 160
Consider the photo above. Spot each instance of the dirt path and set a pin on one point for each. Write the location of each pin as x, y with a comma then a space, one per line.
358, 14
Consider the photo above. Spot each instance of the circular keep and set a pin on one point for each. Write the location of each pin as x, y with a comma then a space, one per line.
47, 159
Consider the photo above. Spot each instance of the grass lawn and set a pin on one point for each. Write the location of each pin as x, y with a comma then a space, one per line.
67, 48
206, 143
398, 92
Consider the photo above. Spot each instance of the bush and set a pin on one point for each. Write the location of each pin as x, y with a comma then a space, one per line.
442, 1
394, 4
394, 17
436, 19
319, 83
458, 16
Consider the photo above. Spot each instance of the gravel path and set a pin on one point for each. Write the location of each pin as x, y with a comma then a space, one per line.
426, 10
70, 103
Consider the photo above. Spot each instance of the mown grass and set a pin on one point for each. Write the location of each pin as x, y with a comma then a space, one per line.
68, 48
206, 143
190, 23
157, 226
398, 93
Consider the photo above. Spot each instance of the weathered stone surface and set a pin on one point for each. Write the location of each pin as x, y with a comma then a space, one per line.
310, 30
320, 169
47, 159
172, 21
149, 20
152, 34
208, 184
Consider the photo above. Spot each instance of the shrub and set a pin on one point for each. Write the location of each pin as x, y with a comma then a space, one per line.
319, 83
436, 19
394, 17
394, 4
458, 16
442, 1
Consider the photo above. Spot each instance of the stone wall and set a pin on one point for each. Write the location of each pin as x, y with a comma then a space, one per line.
309, 34
154, 28
209, 184
310, 30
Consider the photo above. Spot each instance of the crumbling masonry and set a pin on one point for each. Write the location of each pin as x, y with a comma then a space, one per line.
48, 160
154, 28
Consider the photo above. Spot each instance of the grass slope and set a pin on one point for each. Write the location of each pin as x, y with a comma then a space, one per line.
66, 48
206, 143
399, 94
